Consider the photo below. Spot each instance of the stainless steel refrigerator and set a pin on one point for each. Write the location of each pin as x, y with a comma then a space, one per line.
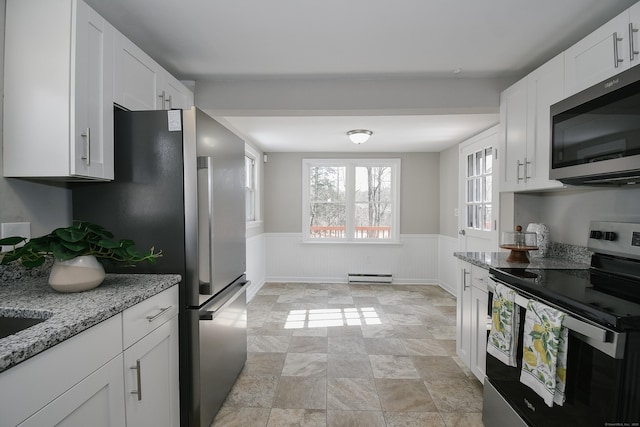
179, 186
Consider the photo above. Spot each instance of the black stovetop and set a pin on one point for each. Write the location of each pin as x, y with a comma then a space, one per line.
601, 298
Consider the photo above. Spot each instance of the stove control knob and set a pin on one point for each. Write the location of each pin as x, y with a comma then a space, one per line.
595, 234
610, 236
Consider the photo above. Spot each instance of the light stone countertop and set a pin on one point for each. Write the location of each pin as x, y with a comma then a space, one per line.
488, 260
68, 314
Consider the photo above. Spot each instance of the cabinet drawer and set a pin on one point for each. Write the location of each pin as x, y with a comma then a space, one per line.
146, 316
479, 277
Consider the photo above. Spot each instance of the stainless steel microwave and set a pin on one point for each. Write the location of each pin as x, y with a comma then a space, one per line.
595, 134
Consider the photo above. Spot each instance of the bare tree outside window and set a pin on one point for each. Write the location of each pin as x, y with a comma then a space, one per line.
351, 199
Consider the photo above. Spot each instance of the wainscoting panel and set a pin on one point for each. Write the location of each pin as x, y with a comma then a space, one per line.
256, 264
413, 260
448, 265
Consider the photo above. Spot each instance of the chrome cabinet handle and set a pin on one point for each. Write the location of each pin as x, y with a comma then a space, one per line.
632, 49
616, 58
526, 169
87, 139
464, 279
163, 99
170, 102
137, 392
162, 311
518, 171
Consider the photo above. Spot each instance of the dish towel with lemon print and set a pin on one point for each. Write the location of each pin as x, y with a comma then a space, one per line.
504, 326
544, 359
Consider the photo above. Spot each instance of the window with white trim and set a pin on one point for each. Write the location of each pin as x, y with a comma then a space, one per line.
351, 200
250, 187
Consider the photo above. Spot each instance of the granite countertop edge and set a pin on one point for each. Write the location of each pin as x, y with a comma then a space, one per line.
489, 260
68, 314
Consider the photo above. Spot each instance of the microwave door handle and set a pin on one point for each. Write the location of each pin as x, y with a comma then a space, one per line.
616, 57
632, 49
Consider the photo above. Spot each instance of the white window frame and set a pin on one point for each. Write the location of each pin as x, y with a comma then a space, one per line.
252, 153
350, 165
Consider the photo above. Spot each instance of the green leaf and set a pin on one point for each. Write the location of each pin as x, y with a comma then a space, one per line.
109, 244
33, 263
70, 234
12, 241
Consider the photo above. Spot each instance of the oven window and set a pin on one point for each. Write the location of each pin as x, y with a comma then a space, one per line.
605, 128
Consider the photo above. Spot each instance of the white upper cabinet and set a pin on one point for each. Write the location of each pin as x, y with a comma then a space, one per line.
58, 114
634, 35
136, 76
142, 84
525, 128
600, 55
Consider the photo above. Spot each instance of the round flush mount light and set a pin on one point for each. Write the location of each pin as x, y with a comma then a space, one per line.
358, 136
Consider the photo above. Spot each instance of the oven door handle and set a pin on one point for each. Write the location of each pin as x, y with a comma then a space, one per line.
605, 340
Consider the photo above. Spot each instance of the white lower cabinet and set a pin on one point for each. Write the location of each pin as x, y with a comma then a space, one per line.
471, 319
88, 379
151, 378
95, 401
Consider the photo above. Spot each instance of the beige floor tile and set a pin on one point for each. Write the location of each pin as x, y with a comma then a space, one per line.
404, 319
299, 344
424, 347
301, 393
310, 332
297, 418
378, 331
411, 331
455, 395
272, 328
390, 346
404, 396
345, 331
268, 343
253, 391
439, 368
473, 419
365, 301
352, 394
443, 332
384, 366
413, 419
265, 364
340, 299
346, 345
349, 366
355, 419
241, 417
305, 365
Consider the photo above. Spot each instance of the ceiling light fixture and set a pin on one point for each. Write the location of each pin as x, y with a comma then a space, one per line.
358, 136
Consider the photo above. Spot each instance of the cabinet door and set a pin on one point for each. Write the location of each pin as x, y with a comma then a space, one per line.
151, 378
136, 78
598, 56
545, 87
95, 401
174, 94
634, 35
92, 137
513, 136
479, 320
463, 314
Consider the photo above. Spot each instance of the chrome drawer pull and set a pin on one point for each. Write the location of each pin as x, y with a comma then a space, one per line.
162, 311
137, 392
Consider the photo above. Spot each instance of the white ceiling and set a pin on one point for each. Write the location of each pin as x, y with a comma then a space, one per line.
281, 39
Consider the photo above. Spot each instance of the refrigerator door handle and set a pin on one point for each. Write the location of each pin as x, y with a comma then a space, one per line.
209, 311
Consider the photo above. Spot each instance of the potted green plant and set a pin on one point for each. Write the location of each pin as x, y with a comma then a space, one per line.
76, 251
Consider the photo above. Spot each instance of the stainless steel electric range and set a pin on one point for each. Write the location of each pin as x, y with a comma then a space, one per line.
602, 307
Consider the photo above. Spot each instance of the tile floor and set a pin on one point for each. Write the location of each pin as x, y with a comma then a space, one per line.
361, 355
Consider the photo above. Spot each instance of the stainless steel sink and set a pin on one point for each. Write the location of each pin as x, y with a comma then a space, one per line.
13, 325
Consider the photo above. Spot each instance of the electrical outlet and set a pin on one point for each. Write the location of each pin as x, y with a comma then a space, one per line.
456, 212
11, 229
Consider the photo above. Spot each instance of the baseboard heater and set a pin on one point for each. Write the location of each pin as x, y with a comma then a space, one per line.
370, 278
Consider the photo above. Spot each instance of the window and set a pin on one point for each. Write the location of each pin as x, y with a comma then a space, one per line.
351, 200
479, 189
250, 187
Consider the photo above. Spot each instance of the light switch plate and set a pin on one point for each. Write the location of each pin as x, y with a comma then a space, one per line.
10, 229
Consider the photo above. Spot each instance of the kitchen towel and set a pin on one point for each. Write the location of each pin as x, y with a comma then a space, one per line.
544, 357
504, 326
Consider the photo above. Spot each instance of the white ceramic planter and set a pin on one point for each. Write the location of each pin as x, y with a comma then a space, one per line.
76, 275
